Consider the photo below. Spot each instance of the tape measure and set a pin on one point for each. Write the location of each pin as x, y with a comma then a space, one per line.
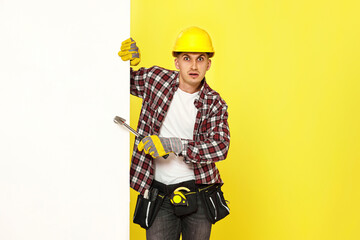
177, 198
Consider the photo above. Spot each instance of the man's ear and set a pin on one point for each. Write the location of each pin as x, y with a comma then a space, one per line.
209, 64
176, 63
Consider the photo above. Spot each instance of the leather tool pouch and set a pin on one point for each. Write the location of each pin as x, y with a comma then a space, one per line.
191, 207
146, 210
214, 202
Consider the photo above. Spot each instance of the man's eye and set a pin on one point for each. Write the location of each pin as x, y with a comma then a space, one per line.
200, 59
186, 58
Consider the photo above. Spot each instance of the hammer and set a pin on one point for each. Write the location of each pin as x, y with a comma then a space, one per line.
121, 121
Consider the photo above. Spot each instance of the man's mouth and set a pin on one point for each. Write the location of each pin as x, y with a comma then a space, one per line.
194, 75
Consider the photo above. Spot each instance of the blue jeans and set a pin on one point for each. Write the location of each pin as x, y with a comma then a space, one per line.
168, 226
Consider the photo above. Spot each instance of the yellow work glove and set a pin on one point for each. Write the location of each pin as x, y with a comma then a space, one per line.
160, 146
129, 51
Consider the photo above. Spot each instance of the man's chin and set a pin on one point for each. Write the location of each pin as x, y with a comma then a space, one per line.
195, 80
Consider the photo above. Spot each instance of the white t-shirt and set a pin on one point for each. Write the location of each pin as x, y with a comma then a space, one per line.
179, 122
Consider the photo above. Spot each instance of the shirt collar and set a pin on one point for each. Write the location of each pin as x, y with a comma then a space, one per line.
200, 99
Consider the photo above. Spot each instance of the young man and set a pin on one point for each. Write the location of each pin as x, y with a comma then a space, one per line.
185, 132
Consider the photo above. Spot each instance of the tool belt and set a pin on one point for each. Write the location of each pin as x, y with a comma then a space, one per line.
215, 203
183, 196
147, 207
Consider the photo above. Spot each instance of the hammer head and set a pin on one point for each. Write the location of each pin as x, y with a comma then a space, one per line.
119, 120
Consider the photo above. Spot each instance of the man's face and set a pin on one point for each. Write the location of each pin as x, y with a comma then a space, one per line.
193, 67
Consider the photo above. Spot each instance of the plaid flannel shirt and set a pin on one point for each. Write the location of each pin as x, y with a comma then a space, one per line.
210, 143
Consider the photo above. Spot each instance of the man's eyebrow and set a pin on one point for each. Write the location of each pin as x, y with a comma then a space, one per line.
201, 55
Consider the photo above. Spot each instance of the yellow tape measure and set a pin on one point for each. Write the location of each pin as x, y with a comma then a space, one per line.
178, 198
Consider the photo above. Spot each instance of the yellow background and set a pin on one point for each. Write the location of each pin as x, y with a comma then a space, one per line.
289, 71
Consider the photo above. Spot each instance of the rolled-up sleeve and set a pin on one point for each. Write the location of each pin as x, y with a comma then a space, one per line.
215, 146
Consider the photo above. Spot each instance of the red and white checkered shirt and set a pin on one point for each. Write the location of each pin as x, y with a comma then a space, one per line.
210, 143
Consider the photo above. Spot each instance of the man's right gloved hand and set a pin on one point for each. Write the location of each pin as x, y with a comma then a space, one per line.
160, 146
129, 51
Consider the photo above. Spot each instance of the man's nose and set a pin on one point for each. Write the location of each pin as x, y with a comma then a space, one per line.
194, 65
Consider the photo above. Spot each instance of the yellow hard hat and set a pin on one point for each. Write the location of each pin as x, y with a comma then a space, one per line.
193, 39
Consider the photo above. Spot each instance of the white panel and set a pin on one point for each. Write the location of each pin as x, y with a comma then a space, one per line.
63, 162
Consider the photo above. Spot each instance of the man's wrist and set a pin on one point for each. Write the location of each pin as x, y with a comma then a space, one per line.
176, 145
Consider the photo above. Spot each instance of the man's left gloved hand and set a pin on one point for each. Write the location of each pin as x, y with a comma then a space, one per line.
160, 146
130, 51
